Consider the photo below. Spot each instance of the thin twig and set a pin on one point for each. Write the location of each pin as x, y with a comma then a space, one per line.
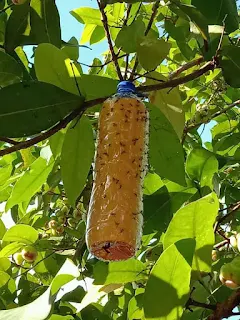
8, 140
215, 115
149, 26
221, 244
129, 8
101, 65
224, 309
194, 303
175, 82
185, 67
108, 35
126, 67
233, 209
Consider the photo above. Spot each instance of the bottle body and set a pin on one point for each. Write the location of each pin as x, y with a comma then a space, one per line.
114, 222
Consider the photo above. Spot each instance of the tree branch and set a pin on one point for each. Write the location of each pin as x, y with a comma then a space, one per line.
233, 209
175, 82
107, 32
60, 125
215, 115
101, 65
194, 303
221, 244
224, 309
185, 67
154, 12
78, 112
8, 140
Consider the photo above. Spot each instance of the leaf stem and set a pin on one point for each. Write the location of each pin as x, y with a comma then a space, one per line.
107, 32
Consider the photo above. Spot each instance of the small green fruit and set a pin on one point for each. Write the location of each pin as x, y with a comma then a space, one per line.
234, 241
29, 254
60, 230
238, 241
77, 214
52, 224
230, 274
61, 219
72, 222
214, 255
64, 210
17, 257
54, 232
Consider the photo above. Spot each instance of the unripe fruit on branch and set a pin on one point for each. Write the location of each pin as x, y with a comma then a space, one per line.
238, 241
52, 224
18, 2
72, 222
64, 210
114, 221
77, 214
60, 230
233, 241
214, 255
17, 257
230, 274
29, 254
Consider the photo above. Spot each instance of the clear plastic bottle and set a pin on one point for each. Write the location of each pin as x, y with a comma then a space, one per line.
114, 221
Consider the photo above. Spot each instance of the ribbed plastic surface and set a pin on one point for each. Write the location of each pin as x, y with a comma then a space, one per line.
115, 219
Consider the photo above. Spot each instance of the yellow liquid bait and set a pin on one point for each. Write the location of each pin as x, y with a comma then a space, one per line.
114, 223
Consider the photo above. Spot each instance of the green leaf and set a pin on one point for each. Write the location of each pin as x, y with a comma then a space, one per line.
201, 165
10, 70
165, 149
135, 307
119, 272
86, 15
18, 27
53, 66
195, 221
156, 212
30, 108
169, 102
2, 229
197, 18
128, 37
21, 233
170, 279
230, 64
71, 49
179, 195
152, 183
5, 264
151, 52
93, 86
4, 278
45, 22
56, 143
30, 182
40, 308
76, 158
218, 12
11, 249
59, 317
87, 33
97, 35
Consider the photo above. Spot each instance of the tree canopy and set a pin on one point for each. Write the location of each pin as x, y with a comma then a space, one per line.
184, 58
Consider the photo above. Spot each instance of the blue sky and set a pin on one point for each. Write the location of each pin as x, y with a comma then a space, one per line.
71, 27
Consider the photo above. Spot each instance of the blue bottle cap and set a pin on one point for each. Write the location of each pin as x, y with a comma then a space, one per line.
126, 87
